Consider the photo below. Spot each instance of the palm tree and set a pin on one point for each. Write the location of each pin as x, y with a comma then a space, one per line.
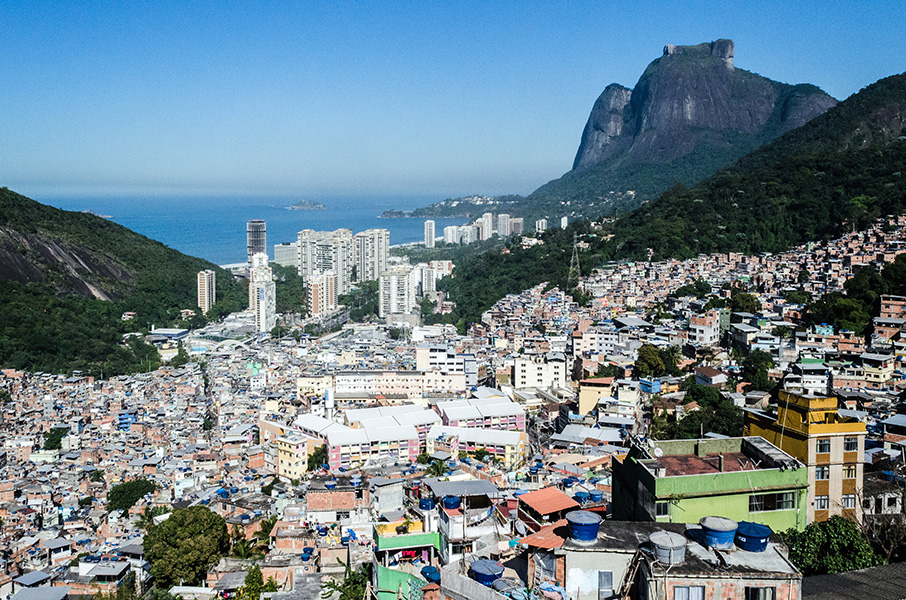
245, 549
438, 468
264, 533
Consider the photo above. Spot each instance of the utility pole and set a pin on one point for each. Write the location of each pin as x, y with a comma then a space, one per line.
574, 278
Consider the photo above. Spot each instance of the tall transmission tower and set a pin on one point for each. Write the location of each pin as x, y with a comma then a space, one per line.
574, 278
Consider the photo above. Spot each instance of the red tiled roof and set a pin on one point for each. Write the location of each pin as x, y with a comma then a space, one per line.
548, 500
548, 537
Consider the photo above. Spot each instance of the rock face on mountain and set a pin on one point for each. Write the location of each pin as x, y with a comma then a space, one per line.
691, 112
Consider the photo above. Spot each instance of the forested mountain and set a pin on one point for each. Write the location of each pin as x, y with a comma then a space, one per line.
691, 113
841, 170
67, 277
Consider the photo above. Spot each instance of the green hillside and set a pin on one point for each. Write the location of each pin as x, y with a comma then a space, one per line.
841, 170
55, 264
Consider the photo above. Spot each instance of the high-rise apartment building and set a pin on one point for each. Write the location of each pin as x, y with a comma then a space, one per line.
286, 254
503, 225
207, 290
256, 238
487, 226
327, 251
540, 225
372, 251
564, 221
516, 226
468, 234
262, 293
429, 234
396, 291
321, 293
423, 280
451, 234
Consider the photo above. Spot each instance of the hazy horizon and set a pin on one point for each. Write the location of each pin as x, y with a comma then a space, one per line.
321, 100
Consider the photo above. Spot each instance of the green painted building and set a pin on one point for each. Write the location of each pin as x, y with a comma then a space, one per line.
398, 558
681, 481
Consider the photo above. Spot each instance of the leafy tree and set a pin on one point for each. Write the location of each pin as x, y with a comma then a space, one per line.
480, 454
798, 297
96, 476
53, 439
744, 302
755, 369
423, 458
714, 414
699, 289
251, 588
270, 585
146, 521
5, 397
609, 370
86, 501
123, 496
265, 528
351, 587
649, 362
831, 546
437, 468
317, 458
185, 546
269, 487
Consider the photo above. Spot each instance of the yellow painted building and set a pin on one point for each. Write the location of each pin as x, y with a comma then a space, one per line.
591, 391
292, 454
809, 428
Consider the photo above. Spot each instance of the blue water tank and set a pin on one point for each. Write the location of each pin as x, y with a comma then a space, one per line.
518, 493
426, 503
486, 571
581, 497
568, 483
451, 502
234, 490
583, 525
433, 576
752, 537
307, 550
427, 570
595, 495
306, 557
344, 540
330, 484
719, 532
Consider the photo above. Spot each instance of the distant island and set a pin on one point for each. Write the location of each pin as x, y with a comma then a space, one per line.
464, 207
306, 205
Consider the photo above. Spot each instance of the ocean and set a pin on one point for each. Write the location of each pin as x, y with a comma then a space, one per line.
213, 228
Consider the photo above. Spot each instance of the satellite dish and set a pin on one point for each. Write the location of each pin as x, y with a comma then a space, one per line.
658, 452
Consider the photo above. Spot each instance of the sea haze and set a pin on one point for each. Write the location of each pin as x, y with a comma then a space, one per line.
214, 227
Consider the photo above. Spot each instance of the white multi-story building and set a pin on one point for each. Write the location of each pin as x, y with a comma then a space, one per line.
487, 226
262, 293
396, 291
536, 373
424, 280
327, 251
540, 225
503, 224
451, 234
286, 254
564, 221
429, 234
207, 290
372, 252
468, 234
441, 268
321, 296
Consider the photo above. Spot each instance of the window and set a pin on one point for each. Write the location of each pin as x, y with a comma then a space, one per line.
662, 509
849, 471
823, 446
849, 500
891, 501
821, 502
779, 501
822, 473
761, 593
850, 444
689, 592
867, 503
605, 585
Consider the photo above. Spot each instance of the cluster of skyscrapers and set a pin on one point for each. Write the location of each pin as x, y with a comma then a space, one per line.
481, 229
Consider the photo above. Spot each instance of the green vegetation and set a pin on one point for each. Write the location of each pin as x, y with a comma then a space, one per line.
53, 439
123, 496
361, 301
480, 280
317, 458
713, 415
352, 587
51, 322
654, 362
841, 170
699, 289
185, 546
755, 370
146, 521
831, 546
290, 288
86, 501
252, 586
96, 476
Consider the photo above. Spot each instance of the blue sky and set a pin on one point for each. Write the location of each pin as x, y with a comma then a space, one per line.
343, 98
